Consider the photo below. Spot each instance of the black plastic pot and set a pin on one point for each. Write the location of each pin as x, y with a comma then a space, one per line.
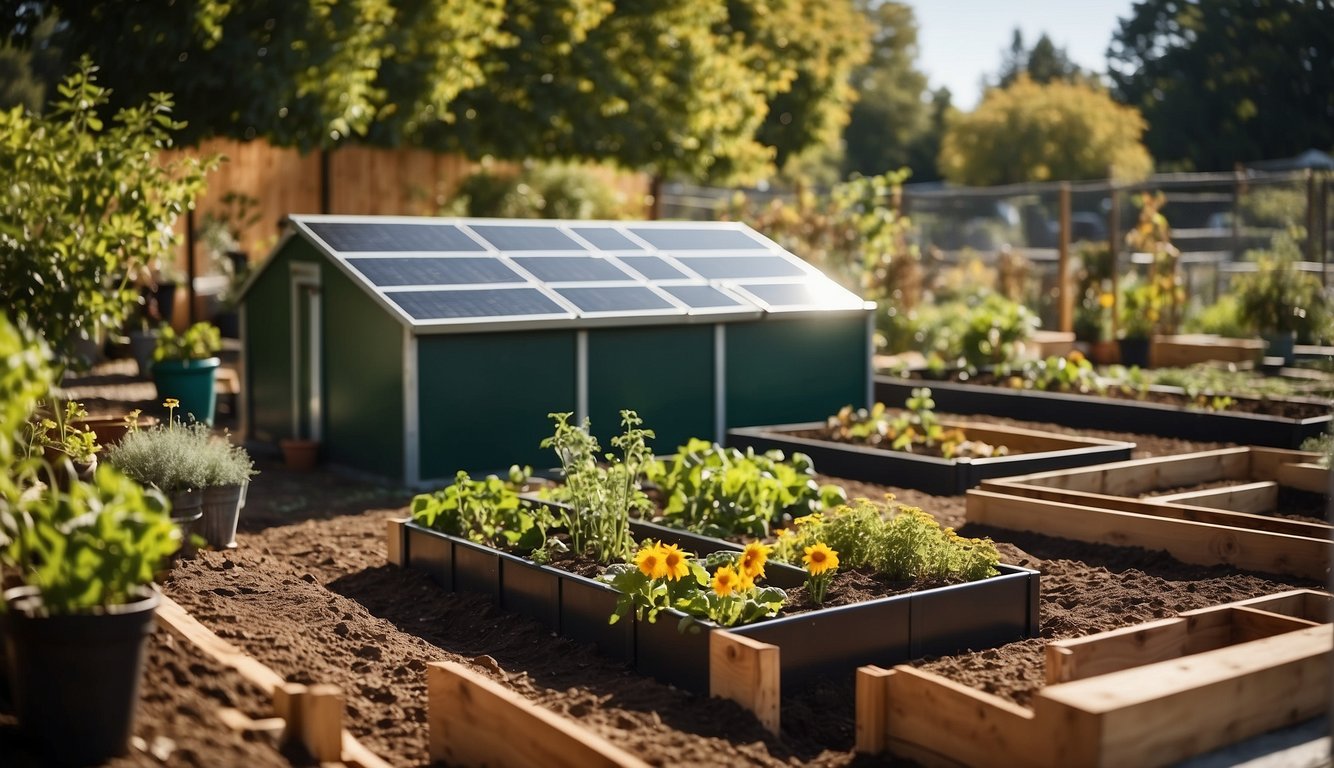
75, 678
1092, 412
943, 477
1134, 351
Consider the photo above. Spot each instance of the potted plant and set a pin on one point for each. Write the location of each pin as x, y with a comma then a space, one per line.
186, 369
1138, 319
203, 474
1279, 301
300, 454
82, 558
69, 446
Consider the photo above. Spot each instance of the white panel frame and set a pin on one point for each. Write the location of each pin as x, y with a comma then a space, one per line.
305, 276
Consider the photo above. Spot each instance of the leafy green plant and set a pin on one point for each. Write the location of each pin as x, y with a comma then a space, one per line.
60, 432
1323, 445
726, 492
90, 208
723, 589
1163, 294
1222, 318
916, 427
1071, 373
892, 539
996, 330
199, 342
601, 498
489, 511
1278, 297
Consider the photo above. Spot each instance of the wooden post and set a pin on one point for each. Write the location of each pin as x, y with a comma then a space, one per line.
396, 543
1063, 298
322, 723
326, 193
1114, 255
746, 671
872, 709
190, 268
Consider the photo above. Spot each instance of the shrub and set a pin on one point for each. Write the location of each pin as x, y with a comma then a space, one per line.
175, 458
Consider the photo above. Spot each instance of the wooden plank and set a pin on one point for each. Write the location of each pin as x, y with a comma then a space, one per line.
1157, 509
1309, 604
1137, 476
746, 671
396, 537
1255, 498
240, 722
1020, 440
1304, 476
175, 618
1161, 713
474, 721
1265, 462
1112, 651
288, 705
322, 722
1187, 541
1252, 624
872, 709
937, 721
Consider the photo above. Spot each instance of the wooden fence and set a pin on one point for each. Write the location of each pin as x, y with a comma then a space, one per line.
360, 180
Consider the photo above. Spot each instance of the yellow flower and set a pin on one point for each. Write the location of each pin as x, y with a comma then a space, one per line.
820, 559
808, 519
171, 402
1106, 300
746, 583
650, 561
753, 559
724, 581
674, 562
1075, 357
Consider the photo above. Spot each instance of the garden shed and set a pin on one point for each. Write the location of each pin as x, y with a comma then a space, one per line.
415, 347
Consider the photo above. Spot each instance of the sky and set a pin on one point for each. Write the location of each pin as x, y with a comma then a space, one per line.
959, 41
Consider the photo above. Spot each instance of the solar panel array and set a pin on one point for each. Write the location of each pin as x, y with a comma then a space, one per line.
447, 272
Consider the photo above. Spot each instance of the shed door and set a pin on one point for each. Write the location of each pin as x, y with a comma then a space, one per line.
306, 406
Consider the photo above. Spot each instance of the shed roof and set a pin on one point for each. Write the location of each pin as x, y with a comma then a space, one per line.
446, 275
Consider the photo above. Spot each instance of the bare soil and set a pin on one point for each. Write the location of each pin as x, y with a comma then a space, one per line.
309, 593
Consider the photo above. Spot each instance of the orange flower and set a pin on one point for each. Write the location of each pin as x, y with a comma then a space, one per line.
674, 561
724, 581
753, 559
820, 559
650, 561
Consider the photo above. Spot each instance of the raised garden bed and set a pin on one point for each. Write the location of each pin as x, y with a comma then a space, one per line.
1147, 695
1031, 451
825, 642
1093, 412
1104, 505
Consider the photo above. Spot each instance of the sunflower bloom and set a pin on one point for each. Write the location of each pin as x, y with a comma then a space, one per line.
745, 582
725, 581
650, 561
674, 562
753, 559
820, 559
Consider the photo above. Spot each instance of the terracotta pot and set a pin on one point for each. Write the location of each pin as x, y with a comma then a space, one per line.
300, 455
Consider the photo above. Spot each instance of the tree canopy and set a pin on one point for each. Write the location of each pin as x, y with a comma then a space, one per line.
1228, 81
700, 87
1043, 63
1032, 132
892, 124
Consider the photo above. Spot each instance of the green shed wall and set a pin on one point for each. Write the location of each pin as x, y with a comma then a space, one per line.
363, 378
798, 368
663, 373
267, 312
483, 399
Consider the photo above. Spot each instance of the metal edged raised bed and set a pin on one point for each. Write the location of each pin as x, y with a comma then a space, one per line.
1093, 412
1035, 451
830, 641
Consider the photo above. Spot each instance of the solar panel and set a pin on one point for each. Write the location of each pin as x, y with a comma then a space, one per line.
391, 272
615, 299
702, 296
814, 293
738, 267
698, 239
497, 302
570, 269
606, 239
653, 267
517, 238
354, 237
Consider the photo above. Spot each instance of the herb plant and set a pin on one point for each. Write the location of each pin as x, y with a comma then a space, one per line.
488, 511
602, 498
726, 492
898, 541
1323, 445
61, 433
176, 457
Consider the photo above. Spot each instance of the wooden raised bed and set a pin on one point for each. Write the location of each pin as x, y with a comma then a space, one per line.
1031, 451
1207, 527
1146, 695
806, 646
1184, 350
1092, 412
